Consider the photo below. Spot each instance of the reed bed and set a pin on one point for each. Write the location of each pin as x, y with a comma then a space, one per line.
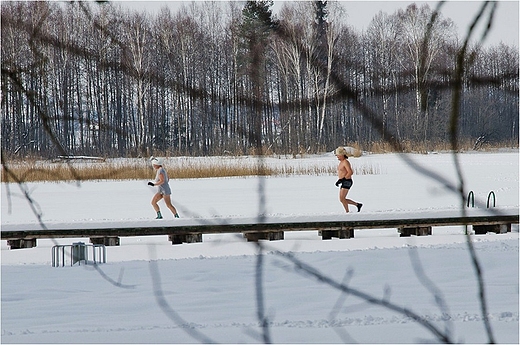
178, 168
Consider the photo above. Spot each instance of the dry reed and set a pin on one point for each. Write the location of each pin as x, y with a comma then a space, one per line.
31, 169
67, 171
129, 169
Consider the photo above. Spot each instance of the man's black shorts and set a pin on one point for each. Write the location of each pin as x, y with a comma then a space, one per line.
347, 183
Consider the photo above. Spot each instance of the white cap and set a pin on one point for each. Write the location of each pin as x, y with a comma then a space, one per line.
156, 161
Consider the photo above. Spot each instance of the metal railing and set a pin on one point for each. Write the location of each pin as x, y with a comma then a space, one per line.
471, 198
78, 251
494, 199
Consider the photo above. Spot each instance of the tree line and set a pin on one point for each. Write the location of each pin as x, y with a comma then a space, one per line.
233, 78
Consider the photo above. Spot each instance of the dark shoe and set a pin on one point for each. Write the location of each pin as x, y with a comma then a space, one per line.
176, 215
159, 215
359, 205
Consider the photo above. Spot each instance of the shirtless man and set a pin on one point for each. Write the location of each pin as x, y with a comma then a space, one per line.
345, 179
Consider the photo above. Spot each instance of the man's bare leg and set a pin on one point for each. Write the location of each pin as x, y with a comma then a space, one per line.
345, 202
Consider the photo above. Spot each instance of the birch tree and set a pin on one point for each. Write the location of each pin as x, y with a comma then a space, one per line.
422, 35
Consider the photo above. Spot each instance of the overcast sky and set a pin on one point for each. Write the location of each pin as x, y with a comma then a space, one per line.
360, 13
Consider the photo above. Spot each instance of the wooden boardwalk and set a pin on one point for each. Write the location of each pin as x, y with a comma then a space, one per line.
254, 229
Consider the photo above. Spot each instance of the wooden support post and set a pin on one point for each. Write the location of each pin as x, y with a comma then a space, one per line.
22, 243
405, 232
106, 241
267, 235
340, 233
346, 233
194, 238
176, 239
185, 238
327, 234
276, 235
255, 236
496, 228
416, 231
424, 231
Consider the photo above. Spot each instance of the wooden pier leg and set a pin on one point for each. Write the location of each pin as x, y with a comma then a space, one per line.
194, 238
424, 231
341, 233
185, 238
327, 234
346, 233
268, 235
22, 243
276, 235
106, 241
415, 230
256, 236
496, 228
176, 239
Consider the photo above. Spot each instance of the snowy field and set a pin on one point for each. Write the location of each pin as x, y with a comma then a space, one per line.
150, 291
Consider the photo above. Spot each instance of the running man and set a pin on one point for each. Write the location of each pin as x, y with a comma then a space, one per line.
345, 179
164, 191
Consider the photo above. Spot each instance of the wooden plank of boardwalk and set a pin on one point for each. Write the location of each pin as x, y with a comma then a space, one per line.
254, 229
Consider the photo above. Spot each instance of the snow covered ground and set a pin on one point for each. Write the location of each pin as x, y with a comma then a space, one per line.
152, 292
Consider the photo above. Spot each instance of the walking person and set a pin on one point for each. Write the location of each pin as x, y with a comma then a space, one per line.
345, 179
164, 191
